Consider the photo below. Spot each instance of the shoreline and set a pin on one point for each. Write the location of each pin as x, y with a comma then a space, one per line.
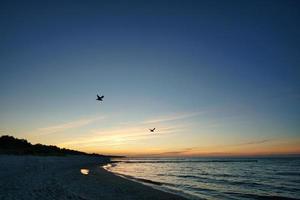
149, 183
50, 177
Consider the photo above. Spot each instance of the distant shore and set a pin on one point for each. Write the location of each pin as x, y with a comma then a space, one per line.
51, 177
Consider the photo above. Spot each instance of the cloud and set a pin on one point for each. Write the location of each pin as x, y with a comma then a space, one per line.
252, 142
127, 132
123, 135
173, 153
5, 131
203, 151
118, 136
173, 117
255, 142
66, 126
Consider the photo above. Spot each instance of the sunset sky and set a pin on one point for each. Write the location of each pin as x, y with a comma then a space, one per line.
213, 77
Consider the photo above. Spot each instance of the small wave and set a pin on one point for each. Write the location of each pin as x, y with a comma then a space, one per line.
288, 173
188, 176
149, 181
140, 179
227, 182
162, 175
260, 197
200, 175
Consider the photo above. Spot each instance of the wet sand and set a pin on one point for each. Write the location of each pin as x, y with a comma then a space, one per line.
36, 177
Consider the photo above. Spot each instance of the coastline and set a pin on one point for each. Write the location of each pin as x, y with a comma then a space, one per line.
149, 183
50, 177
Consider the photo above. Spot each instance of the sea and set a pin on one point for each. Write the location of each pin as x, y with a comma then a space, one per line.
216, 178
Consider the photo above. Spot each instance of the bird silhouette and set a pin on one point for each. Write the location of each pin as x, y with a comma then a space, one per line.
152, 130
100, 98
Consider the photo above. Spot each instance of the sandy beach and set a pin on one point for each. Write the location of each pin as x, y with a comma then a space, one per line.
37, 177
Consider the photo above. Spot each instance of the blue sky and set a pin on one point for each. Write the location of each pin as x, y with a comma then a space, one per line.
230, 66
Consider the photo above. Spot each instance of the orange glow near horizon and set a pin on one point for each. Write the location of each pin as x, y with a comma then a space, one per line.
176, 135
283, 147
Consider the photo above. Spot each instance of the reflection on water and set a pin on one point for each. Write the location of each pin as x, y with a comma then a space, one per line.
222, 178
85, 171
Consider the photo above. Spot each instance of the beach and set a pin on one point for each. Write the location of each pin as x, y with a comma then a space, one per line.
68, 177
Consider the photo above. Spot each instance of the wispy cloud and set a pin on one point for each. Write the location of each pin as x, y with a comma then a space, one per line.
252, 142
5, 131
208, 150
173, 153
248, 143
65, 126
125, 133
117, 136
173, 117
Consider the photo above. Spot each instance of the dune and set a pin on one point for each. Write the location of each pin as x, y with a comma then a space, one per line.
68, 177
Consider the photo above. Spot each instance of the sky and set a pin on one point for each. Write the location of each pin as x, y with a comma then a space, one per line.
214, 77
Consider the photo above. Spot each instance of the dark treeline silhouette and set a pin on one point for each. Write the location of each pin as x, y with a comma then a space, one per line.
15, 146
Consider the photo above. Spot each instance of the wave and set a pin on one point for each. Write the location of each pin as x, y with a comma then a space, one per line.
200, 175
260, 197
212, 179
136, 178
148, 181
288, 173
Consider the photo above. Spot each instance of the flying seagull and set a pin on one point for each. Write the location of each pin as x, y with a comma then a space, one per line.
152, 130
100, 98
